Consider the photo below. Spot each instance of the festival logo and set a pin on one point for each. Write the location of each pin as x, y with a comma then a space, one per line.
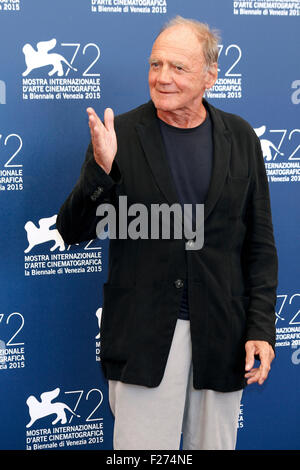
47, 254
41, 57
12, 346
229, 83
267, 145
281, 152
45, 407
64, 419
43, 234
288, 324
62, 71
11, 176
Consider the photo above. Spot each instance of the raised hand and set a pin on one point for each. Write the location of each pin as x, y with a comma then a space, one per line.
103, 137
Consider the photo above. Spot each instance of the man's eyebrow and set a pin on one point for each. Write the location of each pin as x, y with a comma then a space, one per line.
152, 59
172, 62
177, 63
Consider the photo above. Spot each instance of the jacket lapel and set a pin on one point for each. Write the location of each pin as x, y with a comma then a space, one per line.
221, 159
152, 143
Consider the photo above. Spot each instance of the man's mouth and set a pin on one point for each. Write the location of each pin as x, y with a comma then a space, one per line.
166, 92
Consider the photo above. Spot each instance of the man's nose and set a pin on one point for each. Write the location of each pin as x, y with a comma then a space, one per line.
164, 75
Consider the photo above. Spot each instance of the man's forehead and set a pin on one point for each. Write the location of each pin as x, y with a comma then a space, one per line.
177, 41
175, 52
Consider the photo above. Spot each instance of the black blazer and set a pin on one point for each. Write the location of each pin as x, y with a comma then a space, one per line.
232, 280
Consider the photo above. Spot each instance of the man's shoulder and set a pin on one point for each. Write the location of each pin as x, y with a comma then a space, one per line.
233, 122
134, 116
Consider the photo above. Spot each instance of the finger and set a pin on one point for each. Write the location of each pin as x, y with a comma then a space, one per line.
95, 128
91, 112
271, 354
92, 115
249, 357
91, 126
258, 375
109, 119
254, 378
251, 373
94, 118
264, 370
95, 135
251, 376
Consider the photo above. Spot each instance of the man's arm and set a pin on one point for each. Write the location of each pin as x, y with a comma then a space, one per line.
99, 175
261, 267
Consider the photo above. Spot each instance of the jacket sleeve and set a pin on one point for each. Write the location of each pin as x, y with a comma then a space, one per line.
260, 262
76, 220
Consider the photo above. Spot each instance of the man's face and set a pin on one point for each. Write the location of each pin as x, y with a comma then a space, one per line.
178, 76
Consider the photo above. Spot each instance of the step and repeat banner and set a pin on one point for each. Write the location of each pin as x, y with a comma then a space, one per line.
56, 59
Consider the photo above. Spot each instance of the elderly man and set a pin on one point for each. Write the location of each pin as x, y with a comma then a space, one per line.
181, 327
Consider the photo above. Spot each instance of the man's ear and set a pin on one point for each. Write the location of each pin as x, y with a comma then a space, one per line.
211, 75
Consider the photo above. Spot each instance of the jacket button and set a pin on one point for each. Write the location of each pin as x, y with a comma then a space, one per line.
178, 283
96, 193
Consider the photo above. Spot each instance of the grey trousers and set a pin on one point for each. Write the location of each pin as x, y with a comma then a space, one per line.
154, 418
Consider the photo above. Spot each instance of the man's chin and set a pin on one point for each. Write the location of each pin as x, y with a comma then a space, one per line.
165, 104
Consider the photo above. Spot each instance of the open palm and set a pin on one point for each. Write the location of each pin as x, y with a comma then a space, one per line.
103, 137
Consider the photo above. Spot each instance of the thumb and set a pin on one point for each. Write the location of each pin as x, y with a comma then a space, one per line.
249, 357
109, 119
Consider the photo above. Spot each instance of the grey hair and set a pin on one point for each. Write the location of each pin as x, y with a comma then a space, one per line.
208, 37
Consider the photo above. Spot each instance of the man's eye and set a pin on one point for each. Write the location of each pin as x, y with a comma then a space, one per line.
154, 64
178, 67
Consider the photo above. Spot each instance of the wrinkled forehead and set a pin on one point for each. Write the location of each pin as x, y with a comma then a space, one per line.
178, 40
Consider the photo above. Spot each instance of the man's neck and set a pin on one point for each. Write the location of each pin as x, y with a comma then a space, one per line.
184, 118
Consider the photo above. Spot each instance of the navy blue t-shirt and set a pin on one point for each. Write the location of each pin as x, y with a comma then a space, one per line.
190, 156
